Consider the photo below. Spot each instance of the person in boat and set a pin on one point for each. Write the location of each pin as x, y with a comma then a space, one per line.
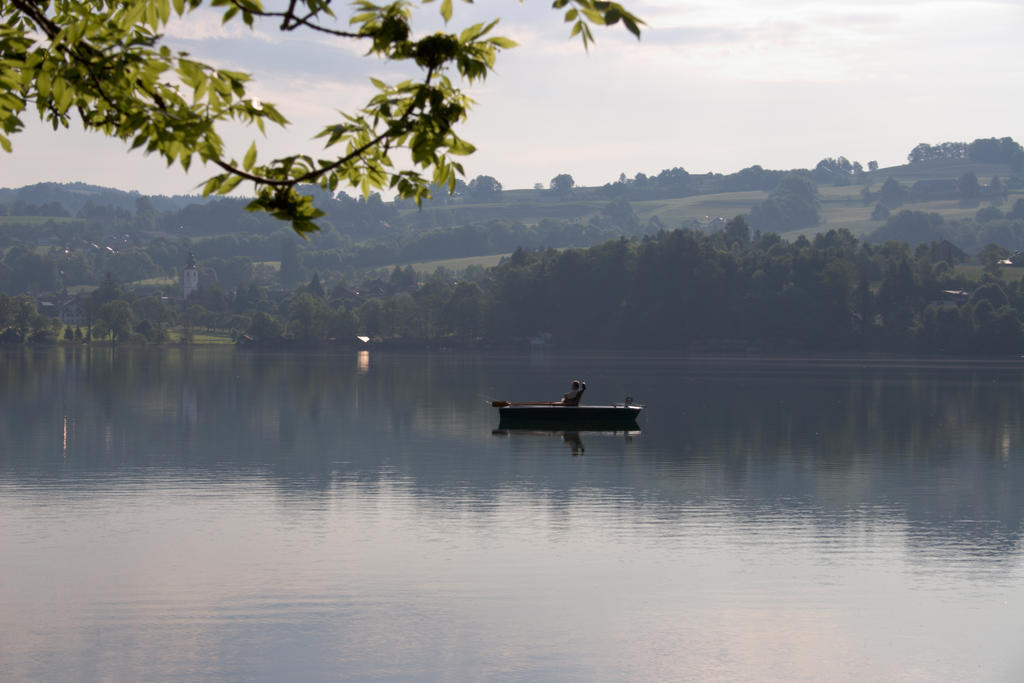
572, 398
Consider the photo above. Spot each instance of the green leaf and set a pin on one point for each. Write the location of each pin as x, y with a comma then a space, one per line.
212, 184
230, 184
201, 88
502, 42
43, 83
164, 10
62, 95
250, 157
108, 60
631, 25
461, 147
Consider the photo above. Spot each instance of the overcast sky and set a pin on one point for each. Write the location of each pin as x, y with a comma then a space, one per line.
713, 85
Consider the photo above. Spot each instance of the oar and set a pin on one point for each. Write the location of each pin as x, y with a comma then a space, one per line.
506, 404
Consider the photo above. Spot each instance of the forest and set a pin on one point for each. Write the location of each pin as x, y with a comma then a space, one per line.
727, 291
781, 276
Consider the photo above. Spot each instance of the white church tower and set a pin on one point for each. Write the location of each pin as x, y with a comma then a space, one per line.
190, 278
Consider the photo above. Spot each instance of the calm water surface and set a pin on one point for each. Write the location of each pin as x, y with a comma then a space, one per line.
219, 515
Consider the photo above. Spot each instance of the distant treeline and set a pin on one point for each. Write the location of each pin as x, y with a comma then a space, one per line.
679, 290
982, 150
729, 291
990, 226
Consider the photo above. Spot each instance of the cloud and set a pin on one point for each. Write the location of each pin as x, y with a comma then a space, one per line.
291, 56
207, 24
813, 42
689, 35
713, 85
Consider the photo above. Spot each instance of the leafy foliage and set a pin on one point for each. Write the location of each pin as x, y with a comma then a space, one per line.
792, 204
562, 184
104, 64
893, 194
982, 150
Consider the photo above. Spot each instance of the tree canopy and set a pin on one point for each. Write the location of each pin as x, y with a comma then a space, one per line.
794, 202
105, 65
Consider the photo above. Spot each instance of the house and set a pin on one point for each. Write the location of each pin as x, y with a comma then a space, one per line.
68, 309
47, 306
72, 312
949, 252
375, 289
950, 298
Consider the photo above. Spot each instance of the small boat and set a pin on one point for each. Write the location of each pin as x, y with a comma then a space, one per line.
620, 416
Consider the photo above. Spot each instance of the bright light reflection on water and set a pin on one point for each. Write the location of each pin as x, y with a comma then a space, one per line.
324, 531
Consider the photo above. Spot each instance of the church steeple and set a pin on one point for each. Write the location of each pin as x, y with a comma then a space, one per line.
190, 278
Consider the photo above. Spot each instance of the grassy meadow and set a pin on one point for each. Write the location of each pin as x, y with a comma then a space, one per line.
30, 220
457, 264
841, 207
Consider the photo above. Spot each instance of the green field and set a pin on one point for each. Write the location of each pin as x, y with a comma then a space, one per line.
457, 264
31, 220
156, 282
974, 271
701, 208
929, 170
1007, 274
841, 207
174, 337
201, 337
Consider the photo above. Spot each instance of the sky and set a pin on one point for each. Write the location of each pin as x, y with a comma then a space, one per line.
712, 85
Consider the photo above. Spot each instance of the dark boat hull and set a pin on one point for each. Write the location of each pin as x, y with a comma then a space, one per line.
570, 417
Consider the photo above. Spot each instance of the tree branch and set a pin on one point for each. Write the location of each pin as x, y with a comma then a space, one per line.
392, 132
45, 24
290, 22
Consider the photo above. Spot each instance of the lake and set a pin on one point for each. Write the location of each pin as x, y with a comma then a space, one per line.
214, 514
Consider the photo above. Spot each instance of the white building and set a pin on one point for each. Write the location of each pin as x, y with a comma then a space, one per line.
190, 278
72, 312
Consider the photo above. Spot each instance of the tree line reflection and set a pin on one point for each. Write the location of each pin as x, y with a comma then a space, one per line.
934, 444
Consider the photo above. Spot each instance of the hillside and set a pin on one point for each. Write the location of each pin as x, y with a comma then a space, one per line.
74, 196
841, 207
68, 235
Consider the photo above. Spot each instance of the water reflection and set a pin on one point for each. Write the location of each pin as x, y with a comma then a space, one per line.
573, 440
938, 443
212, 514
570, 438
